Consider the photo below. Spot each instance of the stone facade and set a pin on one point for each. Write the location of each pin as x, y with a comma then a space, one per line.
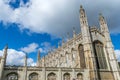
89, 55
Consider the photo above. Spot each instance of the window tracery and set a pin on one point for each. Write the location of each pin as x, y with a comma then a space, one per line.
100, 55
82, 57
66, 76
33, 76
79, 76
12, 76
51, 76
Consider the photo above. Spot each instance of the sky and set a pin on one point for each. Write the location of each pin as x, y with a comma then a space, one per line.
31, 25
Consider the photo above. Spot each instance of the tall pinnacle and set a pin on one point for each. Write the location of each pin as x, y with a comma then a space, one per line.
74, 32
5, 54
25, 63
38, 58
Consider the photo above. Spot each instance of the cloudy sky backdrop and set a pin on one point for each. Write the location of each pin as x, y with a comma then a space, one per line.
31, 25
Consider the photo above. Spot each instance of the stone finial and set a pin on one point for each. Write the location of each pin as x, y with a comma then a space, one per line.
68, 35
25, 63
58, 44
74, 32
81, 7
5, 54
6, 47
38, 57
101, 16
63, 40
38, 54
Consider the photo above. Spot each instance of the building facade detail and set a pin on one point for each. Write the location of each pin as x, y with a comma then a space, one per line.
89, 55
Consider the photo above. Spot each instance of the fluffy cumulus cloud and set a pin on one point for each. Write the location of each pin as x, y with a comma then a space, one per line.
118, 54
30, 48
15, 57
58, 17
46, 47
1, 53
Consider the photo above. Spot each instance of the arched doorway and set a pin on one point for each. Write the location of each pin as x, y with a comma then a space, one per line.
33, 76
66, 76
51, 76
12, 76
79, 76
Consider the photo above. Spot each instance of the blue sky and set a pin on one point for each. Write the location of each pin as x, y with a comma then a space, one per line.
31, 25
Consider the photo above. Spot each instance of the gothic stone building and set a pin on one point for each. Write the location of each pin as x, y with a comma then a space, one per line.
89, 55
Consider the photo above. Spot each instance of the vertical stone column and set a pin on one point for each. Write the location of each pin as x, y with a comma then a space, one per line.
25, 68
59, 74
43, 73
73, 74
25, 73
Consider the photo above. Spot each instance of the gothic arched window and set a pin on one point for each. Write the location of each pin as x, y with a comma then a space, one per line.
79, 76
33, 76
66, 76
100, 55
51, 76
82, 57
12, 76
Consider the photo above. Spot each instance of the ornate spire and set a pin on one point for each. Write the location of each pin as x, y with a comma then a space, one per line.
38, 55
5, 54
58, 44
3, 62
81, 7
74, 32
25, 63
68, 36
103, 24
83, 17
63, 40
5, 51
101, 19
6, 47
38, 58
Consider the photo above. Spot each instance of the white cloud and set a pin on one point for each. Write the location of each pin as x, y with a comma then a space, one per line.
46, 47
15, 57
117, 52
30, 62
1, 53
30, 48
58, 17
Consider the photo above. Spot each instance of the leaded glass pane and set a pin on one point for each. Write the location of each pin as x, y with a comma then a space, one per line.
33, 76
66, 76
100, 55
82, 57
51, 76
79, 77
12, 76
